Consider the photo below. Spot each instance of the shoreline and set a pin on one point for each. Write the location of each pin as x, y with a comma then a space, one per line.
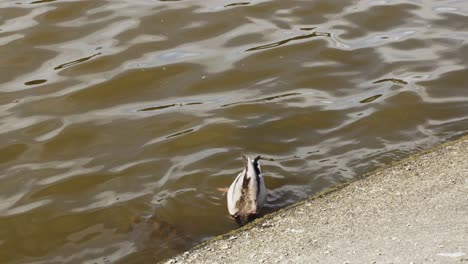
412, 210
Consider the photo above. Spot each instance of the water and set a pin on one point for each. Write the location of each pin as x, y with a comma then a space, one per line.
120, 120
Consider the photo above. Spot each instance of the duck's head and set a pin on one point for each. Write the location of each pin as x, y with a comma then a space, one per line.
243, 219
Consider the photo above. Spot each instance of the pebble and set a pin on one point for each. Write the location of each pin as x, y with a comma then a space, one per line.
267, 224
292, 230
224, 247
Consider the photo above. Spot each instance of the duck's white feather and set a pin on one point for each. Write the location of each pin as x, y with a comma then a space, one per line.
234, 193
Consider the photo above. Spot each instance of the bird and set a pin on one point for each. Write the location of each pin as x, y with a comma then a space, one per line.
247, 194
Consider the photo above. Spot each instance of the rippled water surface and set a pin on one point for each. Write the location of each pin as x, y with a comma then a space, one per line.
121, 119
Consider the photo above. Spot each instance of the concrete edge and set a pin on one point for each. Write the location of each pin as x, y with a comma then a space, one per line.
341, 186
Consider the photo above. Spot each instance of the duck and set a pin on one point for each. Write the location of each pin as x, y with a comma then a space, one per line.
247, 193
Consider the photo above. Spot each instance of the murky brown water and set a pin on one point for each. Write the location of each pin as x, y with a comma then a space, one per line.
120, 119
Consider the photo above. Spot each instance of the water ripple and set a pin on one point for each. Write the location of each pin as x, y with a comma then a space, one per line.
116, 111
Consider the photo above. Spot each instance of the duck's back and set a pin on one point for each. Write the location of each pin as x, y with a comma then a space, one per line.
242, 196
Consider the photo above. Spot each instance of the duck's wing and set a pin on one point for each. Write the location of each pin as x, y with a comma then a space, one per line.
262, 193
235, 193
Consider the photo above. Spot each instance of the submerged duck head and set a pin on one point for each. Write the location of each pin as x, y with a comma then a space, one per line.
247, 194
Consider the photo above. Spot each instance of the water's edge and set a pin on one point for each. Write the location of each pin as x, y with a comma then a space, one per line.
261, 221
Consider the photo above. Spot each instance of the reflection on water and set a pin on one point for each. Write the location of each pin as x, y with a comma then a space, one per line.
120, 120
282, 42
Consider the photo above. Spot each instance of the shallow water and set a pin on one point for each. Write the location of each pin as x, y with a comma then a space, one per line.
121, 119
